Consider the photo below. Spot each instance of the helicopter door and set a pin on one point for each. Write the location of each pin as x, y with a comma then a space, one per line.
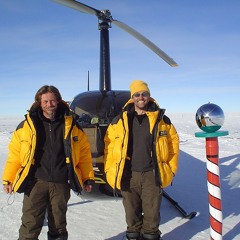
95, 136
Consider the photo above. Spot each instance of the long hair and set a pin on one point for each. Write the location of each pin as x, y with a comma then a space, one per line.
45, 89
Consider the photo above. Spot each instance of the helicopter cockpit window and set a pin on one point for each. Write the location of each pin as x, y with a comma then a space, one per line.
102, 121
86, 121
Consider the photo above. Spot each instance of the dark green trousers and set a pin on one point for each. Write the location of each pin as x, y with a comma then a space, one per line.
44, 198
142, 200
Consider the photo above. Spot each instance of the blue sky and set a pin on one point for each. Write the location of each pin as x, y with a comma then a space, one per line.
43, 42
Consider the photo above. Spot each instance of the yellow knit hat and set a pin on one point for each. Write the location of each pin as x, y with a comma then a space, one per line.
138, 86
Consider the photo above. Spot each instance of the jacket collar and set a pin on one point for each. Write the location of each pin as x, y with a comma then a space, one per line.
152, 106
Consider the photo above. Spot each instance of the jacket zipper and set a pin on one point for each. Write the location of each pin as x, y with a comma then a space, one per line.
154, 154
118, 164
51, 142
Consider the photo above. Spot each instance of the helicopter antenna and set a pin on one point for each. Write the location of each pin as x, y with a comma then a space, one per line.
88, 81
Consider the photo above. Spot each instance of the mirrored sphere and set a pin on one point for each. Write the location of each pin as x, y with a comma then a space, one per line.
209, 117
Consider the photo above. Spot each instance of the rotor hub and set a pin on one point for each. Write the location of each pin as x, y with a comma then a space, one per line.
104, 19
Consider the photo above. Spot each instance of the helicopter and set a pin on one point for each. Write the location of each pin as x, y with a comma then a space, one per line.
97, 108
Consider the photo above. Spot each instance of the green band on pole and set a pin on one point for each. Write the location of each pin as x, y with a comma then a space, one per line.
212, 134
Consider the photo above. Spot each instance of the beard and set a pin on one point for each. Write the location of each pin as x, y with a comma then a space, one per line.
50, 113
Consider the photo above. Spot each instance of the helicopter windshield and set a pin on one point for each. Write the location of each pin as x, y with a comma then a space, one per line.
96, 107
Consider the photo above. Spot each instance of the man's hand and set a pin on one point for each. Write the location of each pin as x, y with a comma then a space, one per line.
7, 188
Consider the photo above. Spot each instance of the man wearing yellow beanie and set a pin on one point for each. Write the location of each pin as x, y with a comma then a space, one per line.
141, 158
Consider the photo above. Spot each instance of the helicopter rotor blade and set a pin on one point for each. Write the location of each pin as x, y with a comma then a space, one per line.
106, 16
79, 6
146, 41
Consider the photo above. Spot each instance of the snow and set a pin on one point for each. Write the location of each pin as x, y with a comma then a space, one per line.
95, 216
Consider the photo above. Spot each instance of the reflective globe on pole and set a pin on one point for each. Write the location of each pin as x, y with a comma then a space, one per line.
210, 117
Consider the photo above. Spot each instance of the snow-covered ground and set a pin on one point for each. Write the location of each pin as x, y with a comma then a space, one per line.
95, 216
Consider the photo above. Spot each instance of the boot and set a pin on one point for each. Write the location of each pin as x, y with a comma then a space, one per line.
133, 235
58, 237
148, 236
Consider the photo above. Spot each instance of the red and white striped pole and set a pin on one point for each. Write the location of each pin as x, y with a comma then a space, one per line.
213, 183
214, 188
208, 119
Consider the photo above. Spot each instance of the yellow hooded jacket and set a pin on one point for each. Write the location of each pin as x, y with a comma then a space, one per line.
165, 148
22, 148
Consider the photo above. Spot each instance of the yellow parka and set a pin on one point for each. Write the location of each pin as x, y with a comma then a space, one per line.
165, 146
22, 148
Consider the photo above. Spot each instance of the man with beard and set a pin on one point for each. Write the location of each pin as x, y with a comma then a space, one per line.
141, 158
48, 155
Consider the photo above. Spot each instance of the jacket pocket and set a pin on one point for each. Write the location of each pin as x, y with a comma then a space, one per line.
166, 174
22, 180
73, 179
25, 152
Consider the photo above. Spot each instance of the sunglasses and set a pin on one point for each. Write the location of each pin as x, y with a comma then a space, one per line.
144, 94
